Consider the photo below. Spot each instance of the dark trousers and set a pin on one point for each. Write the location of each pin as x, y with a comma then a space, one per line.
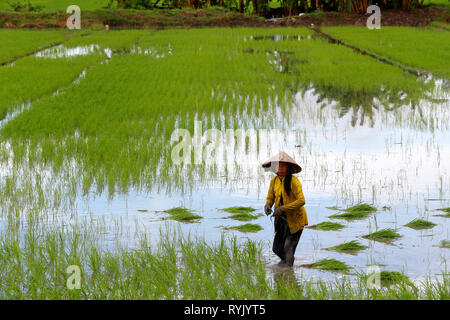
284, 242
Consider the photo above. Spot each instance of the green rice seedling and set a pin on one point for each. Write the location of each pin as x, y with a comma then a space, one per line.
384, 235
359, 211
245, 216
411, 48
350, 215
238, 209
327, 226
362, 207
444, 244
118, 133
182, 215
20, 43
348, 247
419, 224
247, 227
33, 266
392, 277
329, 264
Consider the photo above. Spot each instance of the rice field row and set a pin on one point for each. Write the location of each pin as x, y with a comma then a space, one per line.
419, 48
108, 127
362, 130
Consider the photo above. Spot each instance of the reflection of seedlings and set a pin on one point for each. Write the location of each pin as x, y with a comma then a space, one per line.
385, 235
328, 264
327, 226
333, 208
446, 215
248, 227
348, 247
182, 215
419, 224
142, 210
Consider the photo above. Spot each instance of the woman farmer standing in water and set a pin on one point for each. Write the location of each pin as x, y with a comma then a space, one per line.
285, 191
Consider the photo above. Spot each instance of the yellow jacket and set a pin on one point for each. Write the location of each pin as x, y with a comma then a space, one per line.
293, 204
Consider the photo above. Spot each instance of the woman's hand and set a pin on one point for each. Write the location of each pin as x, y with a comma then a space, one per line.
278, 212
267, 209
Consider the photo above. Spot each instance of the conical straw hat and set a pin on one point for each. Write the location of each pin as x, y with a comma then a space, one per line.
269, 165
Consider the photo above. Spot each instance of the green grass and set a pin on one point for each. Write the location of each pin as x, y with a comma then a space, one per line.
384, 235
327, 226
420, 224
329, 264
348, 247
182, 215
247, 227
421, 49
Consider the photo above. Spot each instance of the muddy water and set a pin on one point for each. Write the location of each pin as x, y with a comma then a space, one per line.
393, 158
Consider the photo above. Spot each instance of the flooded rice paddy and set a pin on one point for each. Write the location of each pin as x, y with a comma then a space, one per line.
100, 151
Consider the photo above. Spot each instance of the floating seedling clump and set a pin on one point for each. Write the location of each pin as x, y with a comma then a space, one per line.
245, 216
327, 226
419, 224
385, 235
445, 244
248, 227
242, 213
348, 247
363, 207
328, 264
359, 211
350, 215
238, 209
182, 215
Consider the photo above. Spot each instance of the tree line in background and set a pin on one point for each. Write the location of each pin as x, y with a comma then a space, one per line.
261, 7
